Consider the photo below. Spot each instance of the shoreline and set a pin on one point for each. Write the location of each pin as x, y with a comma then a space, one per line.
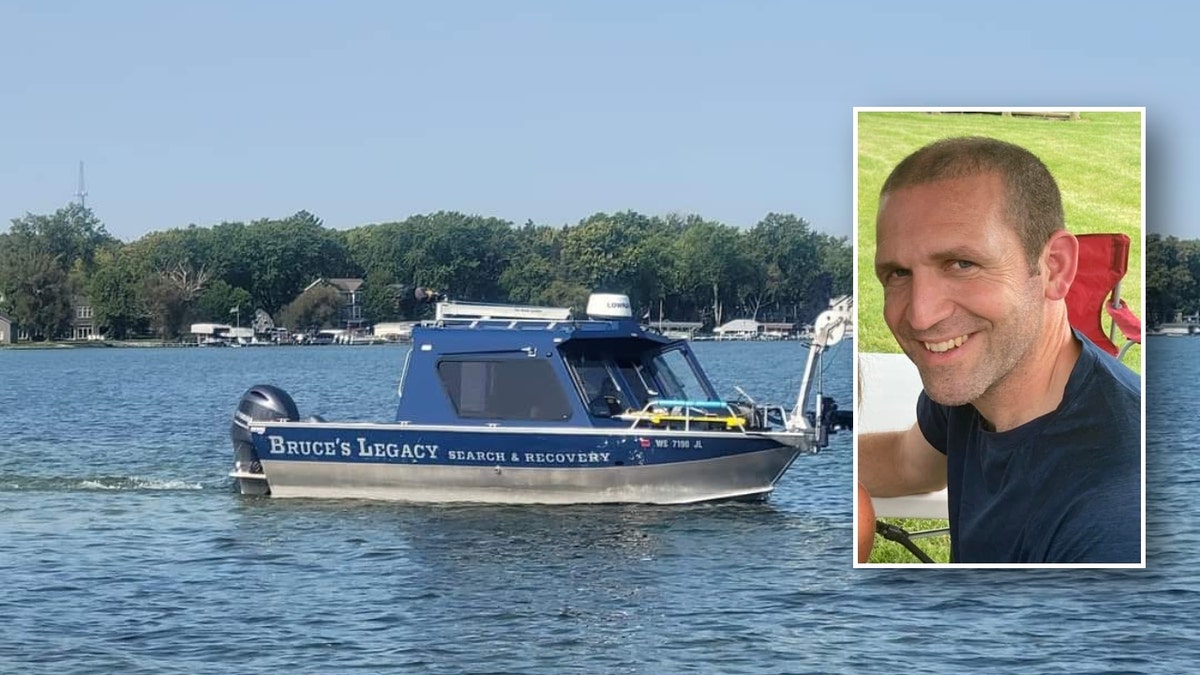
157, 344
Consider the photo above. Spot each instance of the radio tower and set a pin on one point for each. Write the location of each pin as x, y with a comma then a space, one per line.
81, 193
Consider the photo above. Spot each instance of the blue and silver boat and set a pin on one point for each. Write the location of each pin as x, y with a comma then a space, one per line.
511, 404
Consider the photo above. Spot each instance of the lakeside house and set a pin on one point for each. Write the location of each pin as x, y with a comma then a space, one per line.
82, 326
350, 314
83, 322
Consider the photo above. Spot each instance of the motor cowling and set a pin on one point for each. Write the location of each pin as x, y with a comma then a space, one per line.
262, 402
832, 420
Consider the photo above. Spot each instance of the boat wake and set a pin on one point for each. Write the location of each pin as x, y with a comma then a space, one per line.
20, 483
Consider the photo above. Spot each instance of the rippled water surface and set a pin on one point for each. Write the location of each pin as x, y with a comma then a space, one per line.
124, 549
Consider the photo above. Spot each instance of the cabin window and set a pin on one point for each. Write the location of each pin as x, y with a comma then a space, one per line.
677, 379
601, 391
506, 389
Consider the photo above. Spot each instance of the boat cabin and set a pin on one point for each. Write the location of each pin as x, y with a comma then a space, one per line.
516, 367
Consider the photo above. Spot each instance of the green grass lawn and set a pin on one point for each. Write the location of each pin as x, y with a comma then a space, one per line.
936, 547
1097, 163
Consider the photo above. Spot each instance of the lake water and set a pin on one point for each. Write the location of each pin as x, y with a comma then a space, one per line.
123, 547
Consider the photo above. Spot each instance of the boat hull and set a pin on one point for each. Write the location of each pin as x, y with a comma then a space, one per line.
513, 466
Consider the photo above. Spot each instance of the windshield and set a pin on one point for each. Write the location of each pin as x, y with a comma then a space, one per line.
611, 384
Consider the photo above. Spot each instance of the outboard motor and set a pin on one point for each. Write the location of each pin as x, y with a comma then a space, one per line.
262, 402
832, 420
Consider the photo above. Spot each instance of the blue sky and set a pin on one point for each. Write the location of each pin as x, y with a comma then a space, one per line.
364, 112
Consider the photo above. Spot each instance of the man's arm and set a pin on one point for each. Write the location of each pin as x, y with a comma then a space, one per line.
898, 463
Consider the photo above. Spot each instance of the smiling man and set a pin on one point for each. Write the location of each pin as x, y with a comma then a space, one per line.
1034, 430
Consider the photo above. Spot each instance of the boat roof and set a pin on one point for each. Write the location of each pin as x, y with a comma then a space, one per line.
436, 382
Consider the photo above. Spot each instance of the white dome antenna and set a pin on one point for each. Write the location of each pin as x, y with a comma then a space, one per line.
609, 306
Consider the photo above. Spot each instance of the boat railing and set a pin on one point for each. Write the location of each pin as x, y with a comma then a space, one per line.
586, 325
512, 324
673, 413
481, 310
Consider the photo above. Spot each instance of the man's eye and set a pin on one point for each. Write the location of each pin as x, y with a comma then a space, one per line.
963, 264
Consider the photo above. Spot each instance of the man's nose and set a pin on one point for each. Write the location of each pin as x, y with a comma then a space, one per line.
930, 303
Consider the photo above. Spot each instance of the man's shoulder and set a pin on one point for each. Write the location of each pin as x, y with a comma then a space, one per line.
1104, 370
1103, 392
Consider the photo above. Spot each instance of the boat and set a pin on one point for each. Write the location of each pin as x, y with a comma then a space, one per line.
1175, 329
521, 405
358, 338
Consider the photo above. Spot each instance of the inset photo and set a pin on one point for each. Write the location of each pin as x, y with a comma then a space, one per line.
1000, 289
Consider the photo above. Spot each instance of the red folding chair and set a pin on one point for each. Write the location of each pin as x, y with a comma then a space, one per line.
1103, 261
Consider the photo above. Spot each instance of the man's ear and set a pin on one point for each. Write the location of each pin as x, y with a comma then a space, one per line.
1060, 261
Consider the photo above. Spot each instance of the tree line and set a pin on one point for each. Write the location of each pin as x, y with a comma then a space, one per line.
1172, 278
683, 268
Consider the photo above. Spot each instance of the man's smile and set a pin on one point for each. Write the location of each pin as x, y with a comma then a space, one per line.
945, 345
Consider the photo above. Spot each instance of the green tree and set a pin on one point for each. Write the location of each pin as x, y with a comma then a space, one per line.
461, 256
561, 293
313, 309
44, 259
113, 291
36, 289
217, 300
381, 297
381, 248
786, 252
836, 257
610, 253
712, 261
535, 264
171, 294
70, 234
287, 255
232, 254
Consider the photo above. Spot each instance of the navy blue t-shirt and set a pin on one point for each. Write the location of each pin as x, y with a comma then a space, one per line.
1063, 488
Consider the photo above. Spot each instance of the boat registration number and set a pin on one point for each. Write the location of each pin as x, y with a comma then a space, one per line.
678, 443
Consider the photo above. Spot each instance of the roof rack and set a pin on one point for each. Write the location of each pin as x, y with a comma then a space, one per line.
477, 310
